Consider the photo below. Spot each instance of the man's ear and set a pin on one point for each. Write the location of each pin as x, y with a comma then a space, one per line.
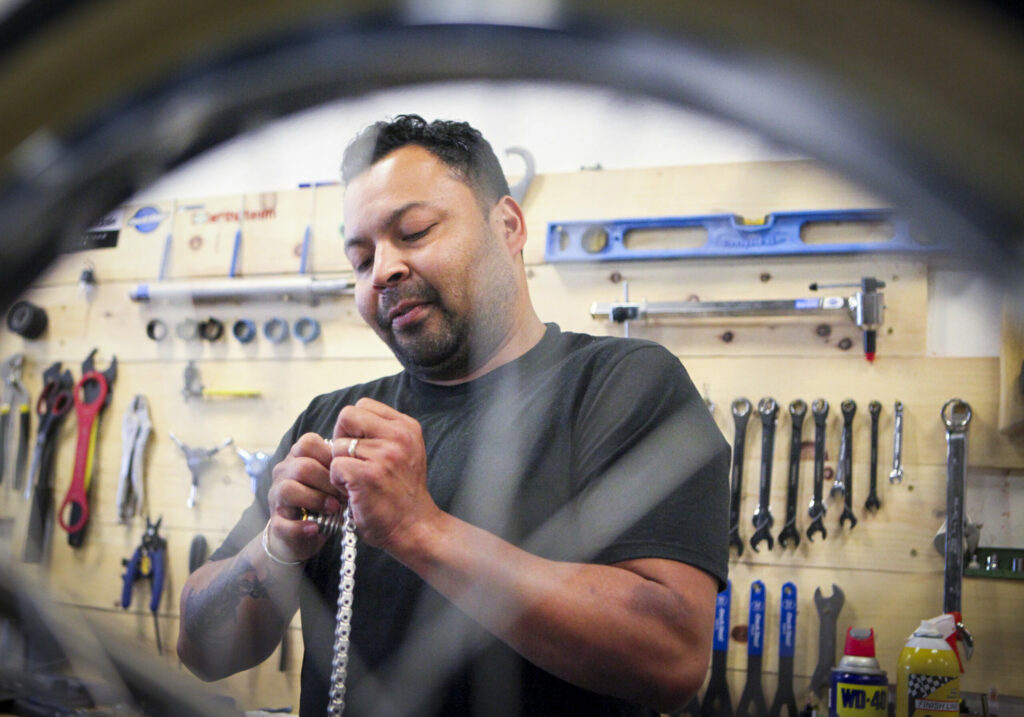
511, 224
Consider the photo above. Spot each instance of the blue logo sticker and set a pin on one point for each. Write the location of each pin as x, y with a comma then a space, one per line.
146, 219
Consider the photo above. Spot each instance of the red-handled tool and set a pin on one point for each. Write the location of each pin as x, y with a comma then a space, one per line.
91, 394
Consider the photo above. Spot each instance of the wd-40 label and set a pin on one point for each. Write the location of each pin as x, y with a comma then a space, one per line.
861, 700
933, 695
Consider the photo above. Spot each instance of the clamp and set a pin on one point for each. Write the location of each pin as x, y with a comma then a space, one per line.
195, 458
148, 561
135, 429
15, 399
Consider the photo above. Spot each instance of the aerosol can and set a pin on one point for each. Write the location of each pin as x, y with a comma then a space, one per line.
927, 676
859, 686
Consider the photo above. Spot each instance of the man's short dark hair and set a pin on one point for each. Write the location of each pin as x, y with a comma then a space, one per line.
457, 144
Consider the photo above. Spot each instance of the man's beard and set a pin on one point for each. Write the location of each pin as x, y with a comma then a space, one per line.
439, 349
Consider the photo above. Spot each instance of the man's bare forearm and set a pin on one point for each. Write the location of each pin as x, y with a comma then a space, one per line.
234, 611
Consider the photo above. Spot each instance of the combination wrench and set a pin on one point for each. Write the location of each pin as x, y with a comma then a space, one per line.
956, 414
797, 411
816, 510
763, 520
740, 415
872, 503
896, 476
844, 471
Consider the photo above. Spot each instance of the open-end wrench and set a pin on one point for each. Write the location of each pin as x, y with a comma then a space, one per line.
896, 476
797, 411
956, 414
740, 415
872, 503
763, 521
752, 702
716, 701
828, 616
844, 472
816, 510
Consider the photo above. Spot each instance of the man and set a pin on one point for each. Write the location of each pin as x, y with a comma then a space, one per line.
541, 515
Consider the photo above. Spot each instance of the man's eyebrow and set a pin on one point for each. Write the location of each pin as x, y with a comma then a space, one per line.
391, 220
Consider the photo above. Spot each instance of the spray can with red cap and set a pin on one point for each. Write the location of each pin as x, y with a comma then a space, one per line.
859, 686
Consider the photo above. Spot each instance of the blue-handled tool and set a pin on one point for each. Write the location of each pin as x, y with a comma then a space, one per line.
752, 702
716, 702
148, 561
784, 697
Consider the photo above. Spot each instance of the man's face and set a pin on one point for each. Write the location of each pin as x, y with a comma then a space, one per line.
433, 278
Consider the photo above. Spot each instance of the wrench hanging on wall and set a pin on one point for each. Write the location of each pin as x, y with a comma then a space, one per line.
741, 409
797, 411
956, 415
844, 470
768, 409
816, 510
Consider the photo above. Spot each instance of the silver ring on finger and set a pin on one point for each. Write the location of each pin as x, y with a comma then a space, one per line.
352, 447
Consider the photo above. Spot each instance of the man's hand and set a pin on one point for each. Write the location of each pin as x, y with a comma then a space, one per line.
385, 478
301, 482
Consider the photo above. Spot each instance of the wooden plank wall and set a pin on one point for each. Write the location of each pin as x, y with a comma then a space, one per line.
891, 575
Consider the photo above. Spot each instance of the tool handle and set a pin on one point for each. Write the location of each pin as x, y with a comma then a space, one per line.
721, 637
755, 632
157, 560
21, 460
5, 428
787, 621
87, 413
39, 513
131, 574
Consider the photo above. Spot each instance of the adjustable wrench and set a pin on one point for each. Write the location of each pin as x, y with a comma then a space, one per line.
956, 414
797, 411
896, 476
740, 415
872, 503
816, 510
828, 615
844, 473
763, 521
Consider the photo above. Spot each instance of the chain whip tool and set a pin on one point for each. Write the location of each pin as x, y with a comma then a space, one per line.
344, 526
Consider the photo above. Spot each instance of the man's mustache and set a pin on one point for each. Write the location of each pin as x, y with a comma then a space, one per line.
420, 292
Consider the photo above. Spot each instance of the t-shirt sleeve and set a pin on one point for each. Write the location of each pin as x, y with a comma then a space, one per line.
650, 457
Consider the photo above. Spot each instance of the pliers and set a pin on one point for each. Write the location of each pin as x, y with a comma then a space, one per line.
135, 430
148, 561
15, 400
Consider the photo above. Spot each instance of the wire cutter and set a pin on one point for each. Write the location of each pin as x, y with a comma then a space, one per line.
148, 561
135, 430
91, 394
53, 404
15, 399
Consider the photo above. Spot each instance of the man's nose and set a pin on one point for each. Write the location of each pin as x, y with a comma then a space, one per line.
389, 266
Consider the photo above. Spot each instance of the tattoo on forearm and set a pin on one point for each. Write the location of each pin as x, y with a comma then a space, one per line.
211, 613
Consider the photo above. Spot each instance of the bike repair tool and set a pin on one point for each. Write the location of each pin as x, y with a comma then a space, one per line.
741, 409
716, 701
872, 504
148, 561
865, 308
15, 399
763, 520
828, 617
92, 394
784, 697
797, 411
817, 510
256, 465
194, 387
896, 476
844, 470
752, 702
135, 430
195, 458
956, 415
53, 404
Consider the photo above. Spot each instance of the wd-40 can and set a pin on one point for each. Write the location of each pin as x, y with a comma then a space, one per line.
859, 687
